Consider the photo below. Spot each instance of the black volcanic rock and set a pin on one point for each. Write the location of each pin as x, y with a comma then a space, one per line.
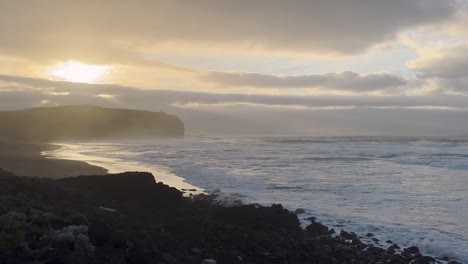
87, 123
317, 228
130, 218
412, 250
347, 235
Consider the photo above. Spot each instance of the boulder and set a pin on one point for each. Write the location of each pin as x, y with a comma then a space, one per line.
317, 228
299, 211
347, 235
412, 250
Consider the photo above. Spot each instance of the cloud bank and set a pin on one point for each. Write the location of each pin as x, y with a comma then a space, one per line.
210, 113
344, 81
123, 31
16, 89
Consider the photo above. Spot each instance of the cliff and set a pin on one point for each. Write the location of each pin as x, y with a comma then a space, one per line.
87, 123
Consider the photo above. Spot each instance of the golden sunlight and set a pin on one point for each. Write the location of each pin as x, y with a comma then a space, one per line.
74, 71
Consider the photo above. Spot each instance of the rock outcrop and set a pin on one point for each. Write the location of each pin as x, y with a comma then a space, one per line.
87, 123
130, 218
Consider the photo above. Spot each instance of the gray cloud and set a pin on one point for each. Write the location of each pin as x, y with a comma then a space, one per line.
104, 31
445, 68
210, 113
447, 63
79, 93
453, 85
344, 81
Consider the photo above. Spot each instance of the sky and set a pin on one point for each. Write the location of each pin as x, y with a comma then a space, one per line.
302, 67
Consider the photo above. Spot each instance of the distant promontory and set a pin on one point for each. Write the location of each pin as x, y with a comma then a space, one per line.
82, 122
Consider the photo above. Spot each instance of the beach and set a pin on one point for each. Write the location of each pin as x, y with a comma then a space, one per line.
25, 159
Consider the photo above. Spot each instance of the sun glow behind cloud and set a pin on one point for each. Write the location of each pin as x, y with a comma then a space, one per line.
75, 71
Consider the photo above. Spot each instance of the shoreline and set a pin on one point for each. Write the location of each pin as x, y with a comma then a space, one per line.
60, 160
26, 159
72, 152
47, 162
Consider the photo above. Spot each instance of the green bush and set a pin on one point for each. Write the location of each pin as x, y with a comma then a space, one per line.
12, 233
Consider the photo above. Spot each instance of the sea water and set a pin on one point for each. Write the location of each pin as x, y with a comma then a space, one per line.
411, 190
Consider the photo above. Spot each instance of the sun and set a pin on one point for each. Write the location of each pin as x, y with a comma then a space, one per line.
74, 71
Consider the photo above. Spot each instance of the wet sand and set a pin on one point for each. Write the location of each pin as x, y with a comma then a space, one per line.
25, 159
70, 151
43, 160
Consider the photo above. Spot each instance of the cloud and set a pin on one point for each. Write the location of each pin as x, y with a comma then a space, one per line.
210, 113
447, 63
445, 68
452, 85
126, 31
79, 93
344, 81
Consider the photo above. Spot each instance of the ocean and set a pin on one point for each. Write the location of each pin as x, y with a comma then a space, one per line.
411, 190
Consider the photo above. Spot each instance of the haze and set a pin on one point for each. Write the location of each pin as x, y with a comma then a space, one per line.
323, 67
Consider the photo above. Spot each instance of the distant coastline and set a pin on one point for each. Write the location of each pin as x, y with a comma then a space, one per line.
87, 122
27, 133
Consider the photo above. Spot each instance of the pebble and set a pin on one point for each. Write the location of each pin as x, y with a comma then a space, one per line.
208, 261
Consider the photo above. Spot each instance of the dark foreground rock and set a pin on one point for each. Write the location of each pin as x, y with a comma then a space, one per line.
129, 218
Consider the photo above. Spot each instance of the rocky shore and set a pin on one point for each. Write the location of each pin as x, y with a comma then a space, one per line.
129, 218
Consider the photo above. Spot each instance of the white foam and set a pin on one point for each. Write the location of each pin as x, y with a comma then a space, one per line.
115, 165
406, 190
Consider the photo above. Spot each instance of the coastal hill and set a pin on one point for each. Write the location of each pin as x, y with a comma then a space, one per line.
82, 122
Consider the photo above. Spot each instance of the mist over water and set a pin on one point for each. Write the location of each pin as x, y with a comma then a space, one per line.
409, 190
